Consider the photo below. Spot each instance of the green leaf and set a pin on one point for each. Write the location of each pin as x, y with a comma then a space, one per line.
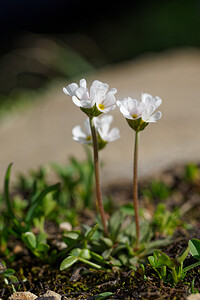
103, 295
68, 262
96, 256
115, 225
36, 202
6, 191
194, 245
42, 247
90, 233
13, 279
9, 272
128, 209
29, 239
151, 261
183, 255
76, 252
85, 253
163, 260
7, 197
107, 242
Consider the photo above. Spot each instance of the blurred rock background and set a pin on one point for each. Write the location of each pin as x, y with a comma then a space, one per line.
138, 46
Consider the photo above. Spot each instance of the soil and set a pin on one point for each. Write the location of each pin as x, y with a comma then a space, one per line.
80, 282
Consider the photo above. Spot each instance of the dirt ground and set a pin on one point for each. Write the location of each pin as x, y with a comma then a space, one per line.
42, 133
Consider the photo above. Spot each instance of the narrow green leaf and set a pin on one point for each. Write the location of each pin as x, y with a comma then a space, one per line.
6, 191
68, 262
194, 245
91, 232
38, 199
183, 255
186, 269
103, 295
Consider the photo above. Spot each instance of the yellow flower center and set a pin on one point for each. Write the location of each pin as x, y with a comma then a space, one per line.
88, 138
101, 106
134, 116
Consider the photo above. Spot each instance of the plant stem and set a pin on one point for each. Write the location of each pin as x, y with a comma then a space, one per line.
135, 190
97, 178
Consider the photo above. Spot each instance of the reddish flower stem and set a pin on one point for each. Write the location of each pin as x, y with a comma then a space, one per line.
135, 190
97, 177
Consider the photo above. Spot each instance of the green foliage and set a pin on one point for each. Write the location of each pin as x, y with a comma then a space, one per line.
115, 250
162, 263
192, 173
166, 221
35, 213
7, 275
156, 190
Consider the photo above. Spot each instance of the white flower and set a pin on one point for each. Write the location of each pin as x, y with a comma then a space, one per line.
98, 94
151, 104
105, 101
103, 128
80, 95
82, 136
133, 109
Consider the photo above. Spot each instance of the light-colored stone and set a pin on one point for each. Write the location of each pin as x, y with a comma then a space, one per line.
194, 297
22, 296
50, 293
65, 226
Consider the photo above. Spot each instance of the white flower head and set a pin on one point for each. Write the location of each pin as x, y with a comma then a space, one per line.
98, 94
104, 99
140, 113
103, 128
131, 109
82, 136
80, 95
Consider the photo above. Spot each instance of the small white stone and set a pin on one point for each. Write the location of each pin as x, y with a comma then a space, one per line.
22, 296
50, 293
65, 226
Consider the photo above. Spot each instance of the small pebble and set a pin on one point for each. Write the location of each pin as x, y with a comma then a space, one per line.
194, 297
65, 226
50, 293
22, 296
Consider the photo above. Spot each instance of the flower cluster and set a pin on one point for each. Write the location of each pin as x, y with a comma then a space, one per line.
99, 99
94, 102
105, 135
140, 113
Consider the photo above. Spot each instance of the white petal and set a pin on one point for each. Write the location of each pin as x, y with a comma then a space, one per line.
70, 89
82, 93
78, 132
109, 99
155, 117
146, 97
158, 101
98, 90
76, 101
83, 83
